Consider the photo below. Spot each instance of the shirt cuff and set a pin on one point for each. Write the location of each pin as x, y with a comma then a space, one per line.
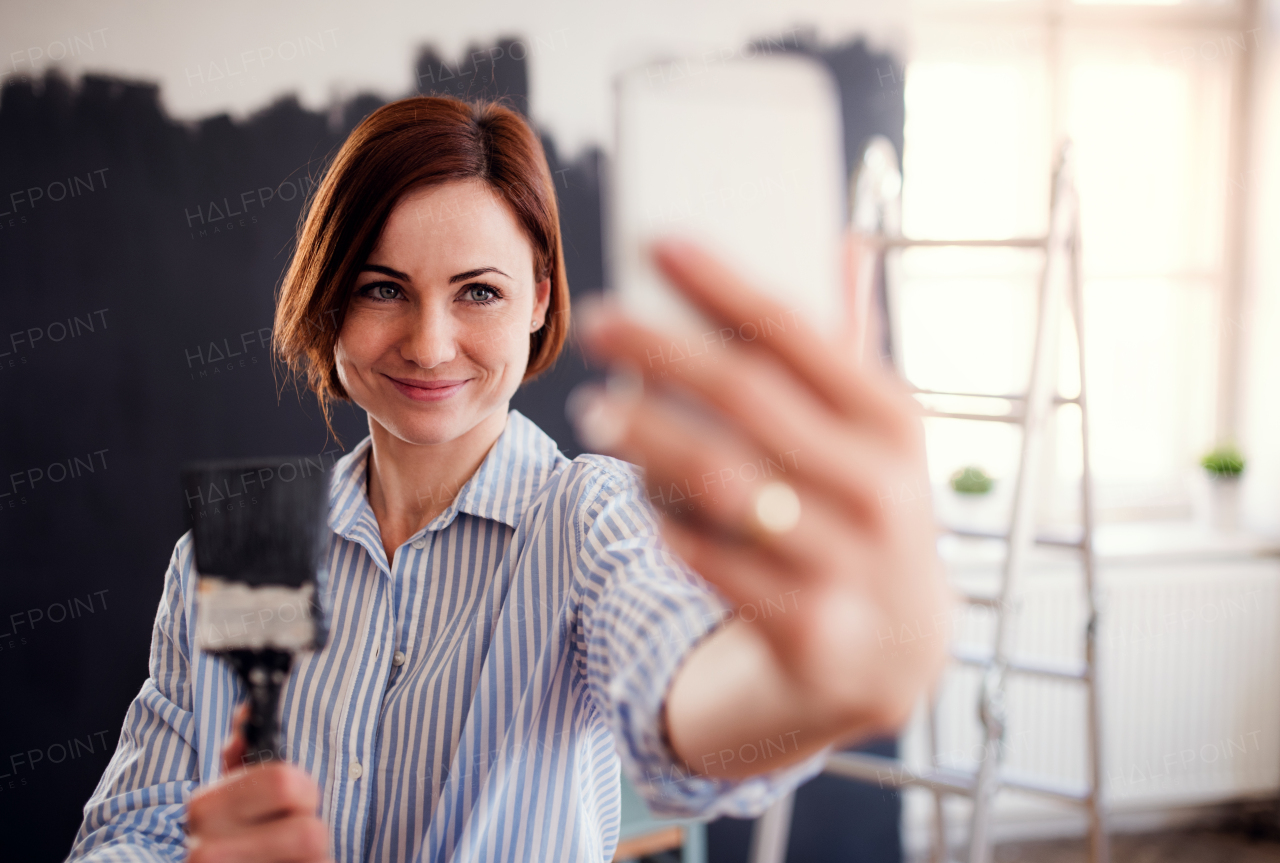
123, 852
671, 787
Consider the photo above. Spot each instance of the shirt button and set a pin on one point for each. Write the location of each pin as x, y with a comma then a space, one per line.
419, 543
355, 771
397, 658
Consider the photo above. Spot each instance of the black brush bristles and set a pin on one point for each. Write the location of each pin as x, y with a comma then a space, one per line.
259, 521
260, 537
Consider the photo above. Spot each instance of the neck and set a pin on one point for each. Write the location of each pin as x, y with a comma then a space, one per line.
410, 484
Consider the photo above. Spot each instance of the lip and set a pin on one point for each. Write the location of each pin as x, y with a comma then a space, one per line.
427, 391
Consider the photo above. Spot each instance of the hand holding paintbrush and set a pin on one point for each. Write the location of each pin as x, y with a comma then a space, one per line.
259, 536
260, 814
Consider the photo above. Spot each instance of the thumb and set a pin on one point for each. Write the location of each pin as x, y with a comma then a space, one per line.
860, 268
233, 751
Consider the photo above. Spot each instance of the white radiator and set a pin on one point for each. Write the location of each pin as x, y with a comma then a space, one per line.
1189, 651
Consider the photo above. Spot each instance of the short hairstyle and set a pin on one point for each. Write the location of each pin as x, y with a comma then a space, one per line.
409, 144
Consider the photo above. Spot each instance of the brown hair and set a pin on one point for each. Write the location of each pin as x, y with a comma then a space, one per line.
415, 142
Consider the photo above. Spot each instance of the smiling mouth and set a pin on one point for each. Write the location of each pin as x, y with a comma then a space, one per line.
427, 391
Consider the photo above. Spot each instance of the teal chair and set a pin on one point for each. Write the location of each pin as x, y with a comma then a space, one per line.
642, 834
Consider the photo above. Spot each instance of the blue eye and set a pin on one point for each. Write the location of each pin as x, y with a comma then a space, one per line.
383, 291
482, 294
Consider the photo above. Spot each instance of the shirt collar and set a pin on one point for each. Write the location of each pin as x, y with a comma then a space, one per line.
517, 465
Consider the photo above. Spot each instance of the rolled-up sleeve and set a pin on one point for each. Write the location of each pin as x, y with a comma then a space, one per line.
644, 611
136, 812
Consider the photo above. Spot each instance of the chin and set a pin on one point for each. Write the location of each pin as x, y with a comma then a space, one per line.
432, 426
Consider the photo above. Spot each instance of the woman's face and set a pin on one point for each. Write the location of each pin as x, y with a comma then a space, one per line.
436, 335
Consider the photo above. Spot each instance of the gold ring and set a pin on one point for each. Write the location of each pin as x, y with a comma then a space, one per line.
775, 510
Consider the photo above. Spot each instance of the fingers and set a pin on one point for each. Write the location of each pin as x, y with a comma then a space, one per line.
251, 796
739, 572
727, 298
262, 813
694, 468
861, 332
702, 471
843, 460
753, 391
295, 839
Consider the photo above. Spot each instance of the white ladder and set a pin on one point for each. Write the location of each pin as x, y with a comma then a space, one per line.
875, 199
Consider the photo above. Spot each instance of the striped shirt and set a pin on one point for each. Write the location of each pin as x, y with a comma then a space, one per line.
478, 692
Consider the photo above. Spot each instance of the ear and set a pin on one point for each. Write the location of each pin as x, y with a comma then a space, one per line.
541, 301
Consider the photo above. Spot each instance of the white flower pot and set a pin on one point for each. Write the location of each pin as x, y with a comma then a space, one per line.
1224, 503
971, 511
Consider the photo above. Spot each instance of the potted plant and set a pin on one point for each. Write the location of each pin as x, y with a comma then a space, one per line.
971, 496
1224, 464
971, 480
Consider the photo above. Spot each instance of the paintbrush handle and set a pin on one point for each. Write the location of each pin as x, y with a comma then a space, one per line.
263, 673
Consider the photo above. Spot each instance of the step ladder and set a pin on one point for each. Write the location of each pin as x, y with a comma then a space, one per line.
875, 210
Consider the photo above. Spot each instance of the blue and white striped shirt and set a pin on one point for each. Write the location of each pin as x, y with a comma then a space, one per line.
477, 691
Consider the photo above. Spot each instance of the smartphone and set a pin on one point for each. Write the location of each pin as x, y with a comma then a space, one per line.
745, 157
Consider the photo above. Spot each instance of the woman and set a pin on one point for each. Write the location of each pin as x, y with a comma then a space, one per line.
508, 625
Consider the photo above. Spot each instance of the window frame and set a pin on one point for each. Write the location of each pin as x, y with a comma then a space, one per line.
1056, 23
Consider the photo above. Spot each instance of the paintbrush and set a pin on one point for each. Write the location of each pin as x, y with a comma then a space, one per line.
260, 534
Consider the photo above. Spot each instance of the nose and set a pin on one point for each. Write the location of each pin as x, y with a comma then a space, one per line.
432, 339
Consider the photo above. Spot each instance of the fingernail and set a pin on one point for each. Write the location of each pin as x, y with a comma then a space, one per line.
589, 312
597, 417
576, 402
674, 246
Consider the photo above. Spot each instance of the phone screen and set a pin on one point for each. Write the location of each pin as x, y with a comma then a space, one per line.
745, 157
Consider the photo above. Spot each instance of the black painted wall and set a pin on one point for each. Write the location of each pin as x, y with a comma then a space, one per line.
138, 261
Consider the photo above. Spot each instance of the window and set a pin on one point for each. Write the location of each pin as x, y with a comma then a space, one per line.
1145, 93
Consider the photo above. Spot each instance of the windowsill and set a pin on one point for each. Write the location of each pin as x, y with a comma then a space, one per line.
1137, 542
1142, 542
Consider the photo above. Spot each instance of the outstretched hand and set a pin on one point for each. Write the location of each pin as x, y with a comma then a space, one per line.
865, 615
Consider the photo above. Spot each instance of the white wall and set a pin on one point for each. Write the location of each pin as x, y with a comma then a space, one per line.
574, 46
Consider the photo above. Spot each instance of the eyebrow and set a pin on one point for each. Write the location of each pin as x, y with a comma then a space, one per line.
404, 277
386, 271
479, 271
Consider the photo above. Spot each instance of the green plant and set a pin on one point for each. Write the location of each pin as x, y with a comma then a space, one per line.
971, 480
1224, 460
